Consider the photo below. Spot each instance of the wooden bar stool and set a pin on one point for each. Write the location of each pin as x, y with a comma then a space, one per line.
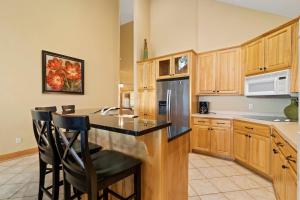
48, 155
92, 173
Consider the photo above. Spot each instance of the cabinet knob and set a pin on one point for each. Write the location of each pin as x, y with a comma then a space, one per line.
284, 167
290, 158
275, 151
265, 68
280, 144
260, 68
272, 135
218, 91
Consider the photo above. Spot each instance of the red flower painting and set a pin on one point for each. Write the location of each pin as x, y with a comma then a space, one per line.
62, 73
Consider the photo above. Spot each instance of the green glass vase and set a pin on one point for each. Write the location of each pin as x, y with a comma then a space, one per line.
291, 111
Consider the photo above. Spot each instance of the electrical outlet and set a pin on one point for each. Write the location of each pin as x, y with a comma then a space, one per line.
18, 140
250, 106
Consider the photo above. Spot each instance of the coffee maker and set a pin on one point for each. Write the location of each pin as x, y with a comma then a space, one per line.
203, 107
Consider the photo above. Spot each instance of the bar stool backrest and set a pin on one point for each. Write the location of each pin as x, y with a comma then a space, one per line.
43, 132
78, 167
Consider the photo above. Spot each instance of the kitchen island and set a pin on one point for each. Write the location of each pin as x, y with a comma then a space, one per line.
163, 149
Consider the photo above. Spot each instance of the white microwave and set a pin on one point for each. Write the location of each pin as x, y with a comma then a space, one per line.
269, 84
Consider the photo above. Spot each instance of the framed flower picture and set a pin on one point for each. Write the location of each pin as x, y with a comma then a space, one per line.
62, 74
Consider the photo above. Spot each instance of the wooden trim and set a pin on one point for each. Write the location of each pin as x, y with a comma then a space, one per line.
18, 154
168, 55
222, 49
295, 20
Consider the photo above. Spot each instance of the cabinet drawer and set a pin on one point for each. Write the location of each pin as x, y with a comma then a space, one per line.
289, 152
220, 123
202, 121
258, 129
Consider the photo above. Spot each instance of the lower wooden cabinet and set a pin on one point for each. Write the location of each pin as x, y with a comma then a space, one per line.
283, 174
252, 145
212, 136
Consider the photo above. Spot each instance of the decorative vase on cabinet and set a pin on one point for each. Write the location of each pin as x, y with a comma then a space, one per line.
291, 111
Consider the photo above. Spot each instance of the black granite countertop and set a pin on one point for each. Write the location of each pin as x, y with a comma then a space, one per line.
130, 126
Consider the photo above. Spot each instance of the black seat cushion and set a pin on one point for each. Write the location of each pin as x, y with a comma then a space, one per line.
109, 163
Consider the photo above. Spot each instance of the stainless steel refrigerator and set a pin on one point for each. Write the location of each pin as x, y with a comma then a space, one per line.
173, 101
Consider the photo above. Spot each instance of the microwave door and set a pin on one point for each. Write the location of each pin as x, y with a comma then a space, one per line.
261, 87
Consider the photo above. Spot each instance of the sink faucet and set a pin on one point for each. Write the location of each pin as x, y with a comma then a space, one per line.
106, 110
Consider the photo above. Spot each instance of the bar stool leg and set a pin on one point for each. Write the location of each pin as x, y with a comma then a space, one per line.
67, 189
55, 182
43, 167
137, 184
105, 194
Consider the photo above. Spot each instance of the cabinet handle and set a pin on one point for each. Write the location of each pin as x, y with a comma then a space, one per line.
290, 158
265, 68
220, 123
201, 121
280, 144
214, 90
249, 136
275, 151
246, 135
260, 68
218, 91
284, 167
272, 135
250, 128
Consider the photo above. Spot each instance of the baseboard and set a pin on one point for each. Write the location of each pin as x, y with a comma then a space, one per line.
18, 154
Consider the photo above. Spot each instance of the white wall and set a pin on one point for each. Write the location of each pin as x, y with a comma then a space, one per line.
85, 29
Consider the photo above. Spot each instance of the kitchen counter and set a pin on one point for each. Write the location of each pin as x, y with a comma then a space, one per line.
288, 130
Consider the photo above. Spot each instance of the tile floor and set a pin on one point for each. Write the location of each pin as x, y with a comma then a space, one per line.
209, 179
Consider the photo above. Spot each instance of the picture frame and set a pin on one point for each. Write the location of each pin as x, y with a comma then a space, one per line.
62, 74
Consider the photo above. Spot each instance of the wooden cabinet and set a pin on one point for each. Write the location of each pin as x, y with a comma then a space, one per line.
252, 145
219, 73
212, 136
254, 57
283, 173
240, 148
200, 138
146, 104
174, 66
206, 82
146, 75
269, 53
278, 50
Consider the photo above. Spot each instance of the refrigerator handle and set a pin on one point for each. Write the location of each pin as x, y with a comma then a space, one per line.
169, 105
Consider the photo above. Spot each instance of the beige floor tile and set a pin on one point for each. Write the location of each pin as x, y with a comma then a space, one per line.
4, 177
219, 196
202, 187
8, 190
244, 182
270, 189
21, 178
194, 198
224, 184
15, 169
261, 181
195, 174
30, 189
191, 166
238, 195
261, 194
199, 163
191, 192
216, 162
210, 172
241, 169
228, 170
9, 163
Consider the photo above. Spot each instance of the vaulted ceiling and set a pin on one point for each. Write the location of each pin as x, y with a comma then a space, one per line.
288, 8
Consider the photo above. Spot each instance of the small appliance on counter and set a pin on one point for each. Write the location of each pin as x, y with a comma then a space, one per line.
203, 107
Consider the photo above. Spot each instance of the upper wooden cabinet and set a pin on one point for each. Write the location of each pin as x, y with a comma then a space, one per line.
174, 66
219, 73
278, 50
254, 57
146, 75
269, 53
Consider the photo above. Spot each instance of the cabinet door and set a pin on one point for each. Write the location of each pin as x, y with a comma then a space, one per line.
240, 146
141, 76
259, 156
150, 104
290, 184
181, 65
141, 103
149, 75
278, 49
220, 141
254, 59
206, 73
228, 76
201, 138
164, 66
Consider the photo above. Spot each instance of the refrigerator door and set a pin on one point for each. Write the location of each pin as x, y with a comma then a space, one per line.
163, 88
